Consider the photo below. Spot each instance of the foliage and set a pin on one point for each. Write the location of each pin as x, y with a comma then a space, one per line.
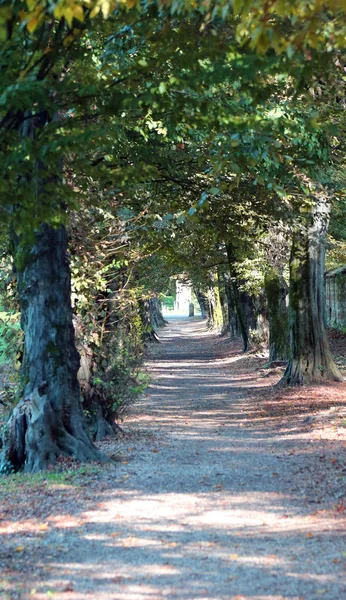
10, 338
171, 137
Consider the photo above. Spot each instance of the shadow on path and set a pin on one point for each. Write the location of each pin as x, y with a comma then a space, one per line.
208, 502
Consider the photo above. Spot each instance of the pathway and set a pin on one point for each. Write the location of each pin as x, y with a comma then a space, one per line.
205, 504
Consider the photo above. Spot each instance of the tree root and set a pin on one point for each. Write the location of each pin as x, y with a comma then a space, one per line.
104, 428
299, 373
35, 437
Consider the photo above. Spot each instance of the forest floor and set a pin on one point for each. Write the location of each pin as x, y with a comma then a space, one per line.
223, 487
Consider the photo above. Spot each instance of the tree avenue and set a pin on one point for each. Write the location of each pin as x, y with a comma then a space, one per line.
160, 138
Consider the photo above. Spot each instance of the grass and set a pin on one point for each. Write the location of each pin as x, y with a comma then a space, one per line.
55, 477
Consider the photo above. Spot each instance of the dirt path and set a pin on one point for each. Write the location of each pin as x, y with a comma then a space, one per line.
206, 504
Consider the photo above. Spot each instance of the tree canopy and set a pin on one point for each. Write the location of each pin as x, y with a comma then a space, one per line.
171, 137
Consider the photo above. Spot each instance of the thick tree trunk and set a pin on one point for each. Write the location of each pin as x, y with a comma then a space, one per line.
149, 334
276, 292
203, 303
310, 360
238, 305
156, 317
224, 304
48, 421
215, 319
233, 326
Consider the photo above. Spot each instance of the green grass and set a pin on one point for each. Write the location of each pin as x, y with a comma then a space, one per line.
72, 476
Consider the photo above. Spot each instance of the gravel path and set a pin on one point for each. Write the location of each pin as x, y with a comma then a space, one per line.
206, 504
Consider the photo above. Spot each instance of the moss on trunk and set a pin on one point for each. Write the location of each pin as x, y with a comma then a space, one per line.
310, 357
276, 291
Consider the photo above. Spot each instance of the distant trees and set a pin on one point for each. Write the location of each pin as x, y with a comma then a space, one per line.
199, 130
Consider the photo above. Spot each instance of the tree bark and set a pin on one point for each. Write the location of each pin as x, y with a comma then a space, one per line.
224, 304
48, 420
149, 334
310, 360
241, 317
156, 317
215, 320
233, 326
203, 302
276, 291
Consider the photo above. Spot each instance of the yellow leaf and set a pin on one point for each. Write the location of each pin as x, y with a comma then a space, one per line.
32, 24
19, 549
78, 12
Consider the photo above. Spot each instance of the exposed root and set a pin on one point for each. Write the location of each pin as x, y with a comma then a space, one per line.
35, 437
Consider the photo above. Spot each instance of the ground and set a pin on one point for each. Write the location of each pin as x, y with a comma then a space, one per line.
222, 487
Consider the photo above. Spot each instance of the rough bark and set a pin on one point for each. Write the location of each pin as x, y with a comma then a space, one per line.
310, 360
224, 305
104, 428
276, 291
48, 420
156, 316
203, 302
233, 326
237, 300
149, 334
215, 319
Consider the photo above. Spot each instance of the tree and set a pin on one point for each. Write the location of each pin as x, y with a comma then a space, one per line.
110, 97
310, 359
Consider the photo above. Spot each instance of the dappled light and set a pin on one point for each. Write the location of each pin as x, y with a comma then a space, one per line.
209, 498
172, 300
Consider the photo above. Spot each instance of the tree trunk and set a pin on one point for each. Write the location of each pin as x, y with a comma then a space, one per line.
224, 304
276, 291
156, 317
310, 360
214, 305
233, 326
48, 421
203, 302
238, 305
149, 334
